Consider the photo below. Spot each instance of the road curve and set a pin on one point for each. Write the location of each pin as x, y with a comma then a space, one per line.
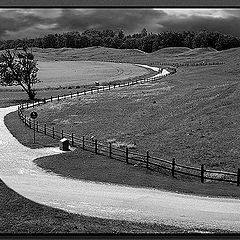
107, 200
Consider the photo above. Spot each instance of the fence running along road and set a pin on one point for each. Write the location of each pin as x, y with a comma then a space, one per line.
126, 155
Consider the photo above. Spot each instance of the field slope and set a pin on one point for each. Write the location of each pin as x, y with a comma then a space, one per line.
191, 115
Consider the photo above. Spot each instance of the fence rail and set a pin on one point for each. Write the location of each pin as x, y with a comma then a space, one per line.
126, 155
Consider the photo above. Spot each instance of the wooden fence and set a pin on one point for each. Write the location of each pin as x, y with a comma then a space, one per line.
176, 64
190, 64
130, 157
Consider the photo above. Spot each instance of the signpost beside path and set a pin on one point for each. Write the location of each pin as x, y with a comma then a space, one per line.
34, 115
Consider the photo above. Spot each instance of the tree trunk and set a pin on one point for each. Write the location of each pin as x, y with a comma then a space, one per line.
31, 93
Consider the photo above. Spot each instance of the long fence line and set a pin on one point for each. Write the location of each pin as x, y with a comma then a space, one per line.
176, 64
192, 64
127, 155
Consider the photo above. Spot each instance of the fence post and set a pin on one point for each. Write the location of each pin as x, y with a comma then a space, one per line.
44, 100
62, 133
147, 158
173, 166
27, 104
238, 177
114, 85
51, 98
58, 97
53, 135
91, 91
72, 140
202, 173
84, 92
77, 93
96, 150
45, 129
71, 94
110, 150
83, 143
108, 86
103, 88
37, 126
33, 104
127, 155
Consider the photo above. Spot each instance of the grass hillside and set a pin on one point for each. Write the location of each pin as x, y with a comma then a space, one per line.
123, 55
171, 50
191, 115
85, 54
170, 55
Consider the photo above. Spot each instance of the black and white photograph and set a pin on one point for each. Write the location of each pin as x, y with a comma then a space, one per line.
120, 121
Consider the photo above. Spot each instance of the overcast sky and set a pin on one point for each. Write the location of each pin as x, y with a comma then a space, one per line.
30, 23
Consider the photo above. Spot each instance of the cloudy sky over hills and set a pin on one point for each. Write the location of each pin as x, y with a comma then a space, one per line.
20, 23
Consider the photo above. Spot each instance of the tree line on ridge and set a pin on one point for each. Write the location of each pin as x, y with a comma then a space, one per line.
145, 41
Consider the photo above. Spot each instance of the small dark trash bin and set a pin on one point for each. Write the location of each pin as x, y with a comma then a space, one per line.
96, 83
64, 144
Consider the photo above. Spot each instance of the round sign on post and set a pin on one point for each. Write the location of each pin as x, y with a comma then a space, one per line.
33, 115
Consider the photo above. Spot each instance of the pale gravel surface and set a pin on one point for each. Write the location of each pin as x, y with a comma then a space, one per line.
107, 200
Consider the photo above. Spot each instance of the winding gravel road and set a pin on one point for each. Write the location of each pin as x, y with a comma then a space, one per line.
107, 200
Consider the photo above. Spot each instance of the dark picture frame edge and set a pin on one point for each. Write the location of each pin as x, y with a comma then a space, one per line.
121, 3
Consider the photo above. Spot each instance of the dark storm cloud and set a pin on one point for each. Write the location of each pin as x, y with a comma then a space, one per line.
130, 20
19, 23
13, 21
230, 25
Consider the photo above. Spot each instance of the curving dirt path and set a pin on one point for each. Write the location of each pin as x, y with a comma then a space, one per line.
107, 200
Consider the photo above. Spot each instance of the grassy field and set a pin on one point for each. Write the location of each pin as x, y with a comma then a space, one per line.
69, 73
58, 74
65, 70
191, 116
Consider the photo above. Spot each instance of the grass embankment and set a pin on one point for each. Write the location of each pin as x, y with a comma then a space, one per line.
191, 116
